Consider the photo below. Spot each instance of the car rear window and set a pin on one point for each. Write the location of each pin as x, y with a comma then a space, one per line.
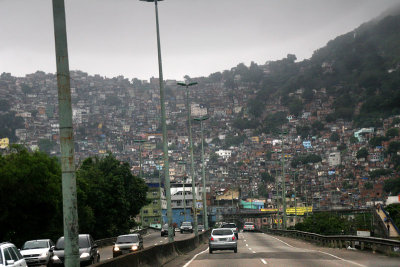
83, 242
127, 239
249, 224
35, 244
186, 224
229, 225
222, 232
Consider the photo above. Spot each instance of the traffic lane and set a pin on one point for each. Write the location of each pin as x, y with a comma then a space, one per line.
364, 258
271, 251
152, 238
257, 249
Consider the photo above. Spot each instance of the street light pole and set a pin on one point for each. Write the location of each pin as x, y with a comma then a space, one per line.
184, 193
194, 197
140, 141
70, 210
159, 168
205, 219
164, 129
295, 198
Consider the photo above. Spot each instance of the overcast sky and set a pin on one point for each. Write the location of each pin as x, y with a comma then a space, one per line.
198, 37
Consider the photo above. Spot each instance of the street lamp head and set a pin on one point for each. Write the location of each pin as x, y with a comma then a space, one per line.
187, 84
202, 118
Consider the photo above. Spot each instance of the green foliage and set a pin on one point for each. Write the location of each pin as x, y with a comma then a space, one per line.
368, 186
267, 178
334, 137
317, 127
46, 145
110, 195
30, 196
394, 213
342, 147
325, 224
393, 147
362, 153
303, 131
9, 122
256, 107
113, 100
213, 157
377, 141
392, 132
392, 186
379, 172
4, 105
274, 121
353, 140
242, 124
305, 159
231, 140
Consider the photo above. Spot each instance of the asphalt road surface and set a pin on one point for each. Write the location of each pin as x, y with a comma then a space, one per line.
258, 249
152, 238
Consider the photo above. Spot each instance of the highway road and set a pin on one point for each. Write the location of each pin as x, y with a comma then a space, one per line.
152, 238
258, 249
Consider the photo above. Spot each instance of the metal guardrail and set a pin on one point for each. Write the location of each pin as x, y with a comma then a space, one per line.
383, 245
391, 220
110, 240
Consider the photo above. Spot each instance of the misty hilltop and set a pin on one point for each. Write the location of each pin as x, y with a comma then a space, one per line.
359, 70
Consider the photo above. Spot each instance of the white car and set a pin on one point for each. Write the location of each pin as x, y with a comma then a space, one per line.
10, 256
248, 226
38, 252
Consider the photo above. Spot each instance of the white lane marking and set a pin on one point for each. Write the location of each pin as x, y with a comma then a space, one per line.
352, 262
244, 240
263, 261
194, 257
155, 244
282, 241
161, 241
254, 251
250, 248
247, 245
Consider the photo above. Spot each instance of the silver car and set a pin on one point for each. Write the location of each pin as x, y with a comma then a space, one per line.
222, 239
233, 227
38, 252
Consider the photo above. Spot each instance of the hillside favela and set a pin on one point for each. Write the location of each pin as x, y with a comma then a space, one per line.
287, 162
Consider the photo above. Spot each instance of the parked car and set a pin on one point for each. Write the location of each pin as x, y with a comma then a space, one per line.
222, 239
10, 256
127, 243
249, 226
88, 253
38, 252
164, 230
200, 228
186, 227
233, 227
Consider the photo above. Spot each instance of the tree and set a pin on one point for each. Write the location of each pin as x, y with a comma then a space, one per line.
394, 212
334, 137
392, 186
362, 153
267, 178
30, 196
392, 132
118, 196
325, 224
214, 157
45, 145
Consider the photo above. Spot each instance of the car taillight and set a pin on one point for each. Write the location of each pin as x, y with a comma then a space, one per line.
233, 237
212, 238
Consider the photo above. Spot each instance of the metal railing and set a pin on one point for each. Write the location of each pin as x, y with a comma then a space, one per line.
383, 245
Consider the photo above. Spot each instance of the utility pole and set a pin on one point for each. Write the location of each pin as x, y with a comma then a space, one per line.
284, 221
183, 192
140, 141
205, 219
194, 201
159, 168
70, 205
295, 198
164, 129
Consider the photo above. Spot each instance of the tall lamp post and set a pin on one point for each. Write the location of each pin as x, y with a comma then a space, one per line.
194, 201
159, 168
283, 188
140, 141
164, 129
205, 215
70, 210
183, 192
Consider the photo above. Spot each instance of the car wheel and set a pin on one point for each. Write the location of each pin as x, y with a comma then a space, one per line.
235, 250
181, 232
210, 251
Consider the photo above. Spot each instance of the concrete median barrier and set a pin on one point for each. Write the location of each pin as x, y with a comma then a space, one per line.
157, 255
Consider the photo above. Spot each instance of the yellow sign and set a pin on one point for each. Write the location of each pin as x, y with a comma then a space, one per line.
270, 210
298, 210
4, 143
